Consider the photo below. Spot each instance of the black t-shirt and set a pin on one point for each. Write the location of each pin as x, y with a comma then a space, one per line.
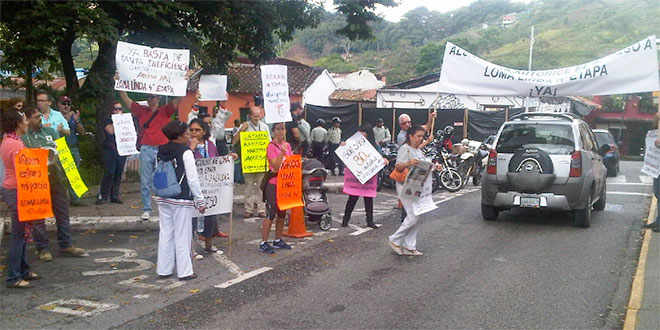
109, 142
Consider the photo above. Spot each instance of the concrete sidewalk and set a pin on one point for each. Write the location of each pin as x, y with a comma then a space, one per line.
643, 311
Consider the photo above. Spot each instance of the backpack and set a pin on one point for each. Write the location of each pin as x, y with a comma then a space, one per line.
164, 180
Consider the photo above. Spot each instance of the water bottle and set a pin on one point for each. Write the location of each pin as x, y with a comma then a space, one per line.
200, 224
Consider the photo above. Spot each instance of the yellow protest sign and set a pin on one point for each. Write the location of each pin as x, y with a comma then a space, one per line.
69, 166
253, 151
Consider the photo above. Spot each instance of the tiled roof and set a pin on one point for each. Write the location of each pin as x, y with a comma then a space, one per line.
247, 78
354, 95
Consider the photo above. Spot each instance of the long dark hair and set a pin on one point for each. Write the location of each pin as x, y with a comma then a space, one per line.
298, 146
366, 128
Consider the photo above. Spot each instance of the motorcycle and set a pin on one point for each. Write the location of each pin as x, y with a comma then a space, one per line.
448, 176
389, 151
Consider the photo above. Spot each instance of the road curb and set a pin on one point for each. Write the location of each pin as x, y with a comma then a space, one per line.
637, 290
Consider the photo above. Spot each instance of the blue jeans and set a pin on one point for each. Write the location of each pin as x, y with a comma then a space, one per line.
18, 267
114, 167
147, 166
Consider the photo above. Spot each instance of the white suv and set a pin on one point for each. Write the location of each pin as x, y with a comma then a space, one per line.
544, 161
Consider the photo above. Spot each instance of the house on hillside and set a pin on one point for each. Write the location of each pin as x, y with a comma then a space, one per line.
244, 83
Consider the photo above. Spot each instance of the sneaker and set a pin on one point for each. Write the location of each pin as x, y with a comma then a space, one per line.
116, 201
101, 201
145, 216
73, 252
280, 244
266, 248
44, 255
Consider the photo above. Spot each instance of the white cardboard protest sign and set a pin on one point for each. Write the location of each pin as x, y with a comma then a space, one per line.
360, 157
213, 87
651, 165
413, 187
275, 93
125, 134
150, 70
216, 177
631, 70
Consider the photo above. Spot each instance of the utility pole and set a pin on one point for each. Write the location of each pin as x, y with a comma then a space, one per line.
529, 63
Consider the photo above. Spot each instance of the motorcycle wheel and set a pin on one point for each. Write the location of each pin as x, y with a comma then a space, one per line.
451, 180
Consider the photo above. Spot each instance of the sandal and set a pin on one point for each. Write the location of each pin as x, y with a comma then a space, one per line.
31, 276
20, 284
188, 278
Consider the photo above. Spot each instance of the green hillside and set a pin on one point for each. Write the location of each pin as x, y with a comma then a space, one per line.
567, 33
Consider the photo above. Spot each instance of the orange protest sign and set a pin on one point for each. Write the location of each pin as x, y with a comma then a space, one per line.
32, 186
289, 183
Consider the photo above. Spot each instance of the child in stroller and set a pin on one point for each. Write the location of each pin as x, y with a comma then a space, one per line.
316, 201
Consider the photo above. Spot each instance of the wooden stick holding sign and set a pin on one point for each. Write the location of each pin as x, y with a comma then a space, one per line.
289, 183
33, 187
69, 166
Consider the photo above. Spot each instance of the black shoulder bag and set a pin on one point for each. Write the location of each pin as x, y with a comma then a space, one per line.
144, 128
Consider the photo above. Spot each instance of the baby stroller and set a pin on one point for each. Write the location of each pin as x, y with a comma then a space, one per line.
316, 201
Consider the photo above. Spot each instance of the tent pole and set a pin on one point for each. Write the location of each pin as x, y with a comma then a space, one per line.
360, 113
465, 122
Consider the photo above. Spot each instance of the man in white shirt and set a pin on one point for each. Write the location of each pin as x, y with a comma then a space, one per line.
254, 205
218, 123
381, 133
319, 138
334, 138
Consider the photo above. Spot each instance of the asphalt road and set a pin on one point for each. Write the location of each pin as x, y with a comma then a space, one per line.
527, 270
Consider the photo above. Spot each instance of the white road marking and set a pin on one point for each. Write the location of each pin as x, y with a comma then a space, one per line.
62, 306
629, 184
617, 179
243, 277
141, 296
138, 282
128, 256
646, 179
627, 193
233, 268
617, 208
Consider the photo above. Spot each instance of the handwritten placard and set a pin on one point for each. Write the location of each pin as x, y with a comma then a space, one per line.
289, 183
33, 187
216, 177
275, 93
213, 87
360, 157
149, 70
70, 169
253, 151
651, 165
125, 134
413, 187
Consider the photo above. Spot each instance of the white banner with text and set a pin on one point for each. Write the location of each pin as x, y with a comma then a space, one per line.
275, 93
633, 69
125, 134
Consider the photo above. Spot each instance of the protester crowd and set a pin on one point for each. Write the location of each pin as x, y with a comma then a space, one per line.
202, 135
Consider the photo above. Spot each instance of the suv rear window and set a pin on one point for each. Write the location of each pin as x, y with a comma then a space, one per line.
551, 138
604, 138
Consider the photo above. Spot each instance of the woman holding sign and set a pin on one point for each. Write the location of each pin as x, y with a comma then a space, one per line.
354, 189
14, 125
203, 147
404, 240
277, 149
113, 164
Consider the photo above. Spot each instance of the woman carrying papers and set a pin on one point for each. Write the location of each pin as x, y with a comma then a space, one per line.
113, 164
404, 240
354, 189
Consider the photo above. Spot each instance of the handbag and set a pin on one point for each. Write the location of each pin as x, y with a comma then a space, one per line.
399, 176
264, 181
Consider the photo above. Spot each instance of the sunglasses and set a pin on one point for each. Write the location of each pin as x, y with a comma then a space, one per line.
66, 103
195, 129
117, 108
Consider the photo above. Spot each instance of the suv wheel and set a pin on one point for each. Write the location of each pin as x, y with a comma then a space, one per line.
489, 213
582, 218
600, 204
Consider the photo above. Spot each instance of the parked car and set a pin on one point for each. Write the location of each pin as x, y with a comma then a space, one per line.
610, 148
544, 161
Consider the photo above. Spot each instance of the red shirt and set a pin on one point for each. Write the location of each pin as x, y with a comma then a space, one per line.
153, 135
11, 145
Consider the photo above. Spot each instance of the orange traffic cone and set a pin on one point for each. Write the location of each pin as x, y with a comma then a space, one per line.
297, 227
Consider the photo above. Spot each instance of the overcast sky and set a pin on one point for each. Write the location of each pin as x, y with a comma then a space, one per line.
394, 14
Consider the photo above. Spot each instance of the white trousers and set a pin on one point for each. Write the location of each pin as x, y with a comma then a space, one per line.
175, 239
406, 235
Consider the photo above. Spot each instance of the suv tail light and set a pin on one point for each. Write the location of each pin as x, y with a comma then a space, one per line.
576, 164
492, 162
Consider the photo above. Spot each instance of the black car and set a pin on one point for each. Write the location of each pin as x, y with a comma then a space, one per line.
612, 157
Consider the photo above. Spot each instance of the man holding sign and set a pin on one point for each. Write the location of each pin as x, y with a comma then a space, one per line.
252, 202
44, 137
